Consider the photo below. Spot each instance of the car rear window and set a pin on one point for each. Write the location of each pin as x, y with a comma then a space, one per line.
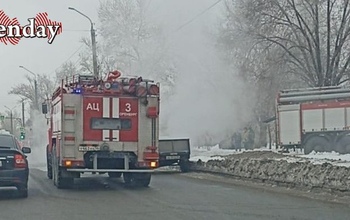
7, 142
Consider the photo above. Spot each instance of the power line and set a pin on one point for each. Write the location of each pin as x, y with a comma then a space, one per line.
76, 62
69, 57
197, 16
179, 28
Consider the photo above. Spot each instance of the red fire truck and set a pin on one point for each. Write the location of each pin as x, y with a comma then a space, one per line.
316, 119
99, 126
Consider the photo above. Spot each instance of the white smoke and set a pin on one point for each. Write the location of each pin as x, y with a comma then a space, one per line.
210, 101
39, 139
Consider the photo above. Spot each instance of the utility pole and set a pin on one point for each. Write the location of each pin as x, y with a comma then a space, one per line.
93, 42
23, 121
11, 119
94, 53
36, 96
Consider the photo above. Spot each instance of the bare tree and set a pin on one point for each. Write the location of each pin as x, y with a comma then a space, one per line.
132, 43
314, 35
27, 90
105, 61
67, 69
285, 44
46, 84
261, 64
16, 122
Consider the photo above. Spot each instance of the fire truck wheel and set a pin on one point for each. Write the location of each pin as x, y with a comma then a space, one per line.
145, 181
49, 171
137, 179
63, 183
343, 145
129, 179
316, 143
48, 163
114, 175
59, 181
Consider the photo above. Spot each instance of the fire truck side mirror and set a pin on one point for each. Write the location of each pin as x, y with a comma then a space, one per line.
44, 108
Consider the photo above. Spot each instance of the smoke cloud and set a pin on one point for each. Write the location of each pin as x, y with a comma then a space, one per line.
39, 140
210, 101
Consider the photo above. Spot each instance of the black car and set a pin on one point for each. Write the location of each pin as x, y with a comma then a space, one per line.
14, 170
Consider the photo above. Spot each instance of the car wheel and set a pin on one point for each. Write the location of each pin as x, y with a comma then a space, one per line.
184, 166
23, 191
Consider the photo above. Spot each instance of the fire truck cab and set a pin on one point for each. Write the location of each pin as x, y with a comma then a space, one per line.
103, 126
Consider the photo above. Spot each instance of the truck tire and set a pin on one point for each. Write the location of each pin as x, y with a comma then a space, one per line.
129, 179
49, 171
59, 181
137, 179
343, 145
145, 181
48, 163
316, 143
114, 175
62, 182
184, 166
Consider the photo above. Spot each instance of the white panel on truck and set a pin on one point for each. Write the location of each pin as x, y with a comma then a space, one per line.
347, 116
312, 120
334, 118
289, 124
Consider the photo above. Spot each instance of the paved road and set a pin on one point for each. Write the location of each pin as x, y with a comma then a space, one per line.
170, 197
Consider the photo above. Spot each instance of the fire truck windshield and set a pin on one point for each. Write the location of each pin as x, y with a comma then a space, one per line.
110, 124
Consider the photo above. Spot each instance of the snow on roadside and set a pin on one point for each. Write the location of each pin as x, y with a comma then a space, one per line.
324, 157
207, 153
327, 155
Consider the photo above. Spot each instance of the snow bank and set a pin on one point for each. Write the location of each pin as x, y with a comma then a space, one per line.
342, 161
328, 170
328, 157
206, 153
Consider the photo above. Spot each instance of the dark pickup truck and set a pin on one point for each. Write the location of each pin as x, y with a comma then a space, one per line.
175, 152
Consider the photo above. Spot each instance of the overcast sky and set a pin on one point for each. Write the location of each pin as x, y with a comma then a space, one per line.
198, 62
36, 54
40, 57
